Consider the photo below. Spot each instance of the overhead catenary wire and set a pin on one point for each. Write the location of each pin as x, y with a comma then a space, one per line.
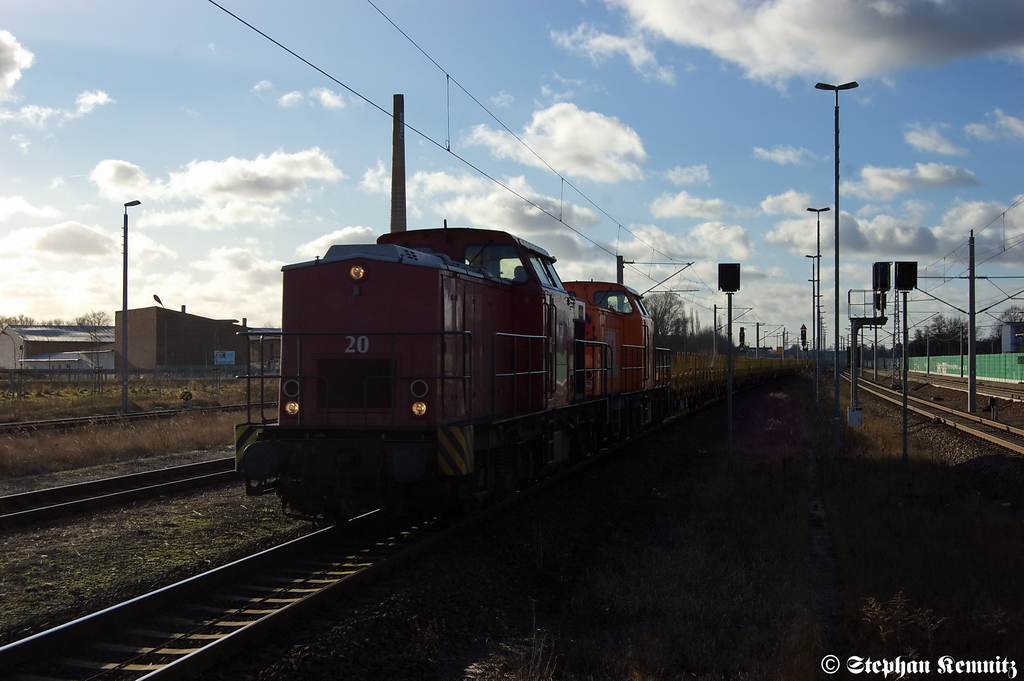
446, 146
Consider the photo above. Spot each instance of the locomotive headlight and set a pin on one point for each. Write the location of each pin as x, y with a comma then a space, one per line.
419, 408
291, 408
357, 273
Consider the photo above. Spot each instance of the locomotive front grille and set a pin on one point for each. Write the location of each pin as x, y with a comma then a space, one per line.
354, 383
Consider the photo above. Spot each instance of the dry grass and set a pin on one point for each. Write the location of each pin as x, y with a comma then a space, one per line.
50, 451
705, 575
65, 398
930, 564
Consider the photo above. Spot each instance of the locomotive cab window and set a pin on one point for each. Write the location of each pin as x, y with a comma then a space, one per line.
501, 261
616, 300
643, 308
545, 270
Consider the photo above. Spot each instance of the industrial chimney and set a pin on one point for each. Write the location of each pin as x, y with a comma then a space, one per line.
398, 223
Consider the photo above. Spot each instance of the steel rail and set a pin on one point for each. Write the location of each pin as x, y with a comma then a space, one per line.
1004, 389
962, 421
108, 419
43, 504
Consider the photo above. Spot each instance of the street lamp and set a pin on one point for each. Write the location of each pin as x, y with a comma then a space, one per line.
817, 309
836, 89
814, 311
124, 314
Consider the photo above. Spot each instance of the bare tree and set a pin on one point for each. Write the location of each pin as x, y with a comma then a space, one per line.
667, 312
1011, 315
19, 320
673, 326
94, 318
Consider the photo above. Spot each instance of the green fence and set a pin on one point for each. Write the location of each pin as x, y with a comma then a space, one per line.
1004, 367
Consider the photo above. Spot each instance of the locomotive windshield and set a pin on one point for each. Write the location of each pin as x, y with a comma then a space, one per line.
501, 261
616, 300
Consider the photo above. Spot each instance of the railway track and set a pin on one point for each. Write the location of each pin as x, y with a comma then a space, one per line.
178, 631
17, 509
109, 419
1000, 389
997, 433
182, 629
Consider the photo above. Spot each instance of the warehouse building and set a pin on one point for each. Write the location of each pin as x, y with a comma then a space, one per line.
159, 341
66, 347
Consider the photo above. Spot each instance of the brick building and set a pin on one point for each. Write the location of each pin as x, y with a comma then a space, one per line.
170, 341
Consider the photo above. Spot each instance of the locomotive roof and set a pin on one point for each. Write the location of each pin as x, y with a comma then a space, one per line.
464, 234
387, 253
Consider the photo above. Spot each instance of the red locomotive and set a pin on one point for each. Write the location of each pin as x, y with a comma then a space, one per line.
444, 365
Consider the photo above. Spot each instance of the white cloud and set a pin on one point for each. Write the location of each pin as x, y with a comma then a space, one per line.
325, 97
232, 191
36, 116
684, 204
690, 175
1002, 126
783, 155
346, 235
14, 58
290, 99
568, 89
87, 101
902, 233
800, 235
599, 46
964, 216
929, 138
574, 142
791, 201
67, 239
885, 183
265, 179
12, 205
329, 99
255, 283
774, 41
502, 99
465, 199
491, 206
214, 215
23, 142
71, 241
706, 241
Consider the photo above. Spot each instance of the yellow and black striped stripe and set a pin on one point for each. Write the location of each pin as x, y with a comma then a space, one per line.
245, 435
455, 450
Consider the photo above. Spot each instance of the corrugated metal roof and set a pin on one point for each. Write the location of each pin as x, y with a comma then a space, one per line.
67, 334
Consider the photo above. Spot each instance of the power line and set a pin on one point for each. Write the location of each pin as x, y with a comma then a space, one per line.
447, 146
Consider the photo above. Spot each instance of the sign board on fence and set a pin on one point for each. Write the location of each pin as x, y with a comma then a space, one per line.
223, 356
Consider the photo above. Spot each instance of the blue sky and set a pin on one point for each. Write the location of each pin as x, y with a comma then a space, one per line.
670, 130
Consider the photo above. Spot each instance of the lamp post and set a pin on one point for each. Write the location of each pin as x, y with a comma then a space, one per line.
814, 313
817, 308
836, 89
124, 314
